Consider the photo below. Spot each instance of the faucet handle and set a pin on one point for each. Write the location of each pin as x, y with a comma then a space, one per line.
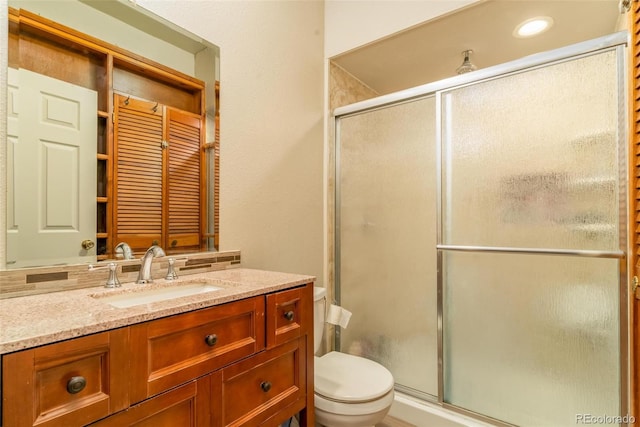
171, 272
112, 281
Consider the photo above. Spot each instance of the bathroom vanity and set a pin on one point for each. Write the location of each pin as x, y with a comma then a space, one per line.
240, 354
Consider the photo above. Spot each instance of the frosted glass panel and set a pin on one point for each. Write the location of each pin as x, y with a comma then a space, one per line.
531, 339
388, 238
533, 157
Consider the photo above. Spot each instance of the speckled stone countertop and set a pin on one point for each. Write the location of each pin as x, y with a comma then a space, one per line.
35, 320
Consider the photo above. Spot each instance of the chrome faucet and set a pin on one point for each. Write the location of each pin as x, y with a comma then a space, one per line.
125, 250
144, 275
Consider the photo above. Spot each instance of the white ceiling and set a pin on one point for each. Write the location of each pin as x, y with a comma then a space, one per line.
433, 50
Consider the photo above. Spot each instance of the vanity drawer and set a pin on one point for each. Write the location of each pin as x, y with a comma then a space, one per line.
171, 351
289, 314
269, 385
71, 383
184, 406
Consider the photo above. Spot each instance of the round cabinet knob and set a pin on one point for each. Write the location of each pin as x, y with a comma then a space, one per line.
211, 340
265, 386
87, 244
76, 385
174, 243
288, 315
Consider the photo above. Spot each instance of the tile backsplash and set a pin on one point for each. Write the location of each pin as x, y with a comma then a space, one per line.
40, 280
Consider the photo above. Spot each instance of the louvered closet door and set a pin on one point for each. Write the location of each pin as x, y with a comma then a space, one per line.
184, 177
634, 72
138, 173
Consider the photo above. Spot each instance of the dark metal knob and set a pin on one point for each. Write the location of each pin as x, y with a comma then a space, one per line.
76, 385
288, 315
211, 340
174, 243
265, 386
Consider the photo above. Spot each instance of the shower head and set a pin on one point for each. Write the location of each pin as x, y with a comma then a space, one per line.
467, 66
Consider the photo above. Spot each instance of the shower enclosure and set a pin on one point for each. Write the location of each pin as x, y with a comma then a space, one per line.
481, 237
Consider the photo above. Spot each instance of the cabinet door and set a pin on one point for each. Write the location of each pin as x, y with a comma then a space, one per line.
267, 388
289, 314
138, 172
185, 406
71, 383
185, 193
170, 351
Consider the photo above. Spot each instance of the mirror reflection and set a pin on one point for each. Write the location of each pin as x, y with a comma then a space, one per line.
111, 123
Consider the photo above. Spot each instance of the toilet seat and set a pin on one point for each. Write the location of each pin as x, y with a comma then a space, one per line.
382, 404
343, 378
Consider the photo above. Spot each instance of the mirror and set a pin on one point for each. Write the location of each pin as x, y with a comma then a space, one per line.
79, 192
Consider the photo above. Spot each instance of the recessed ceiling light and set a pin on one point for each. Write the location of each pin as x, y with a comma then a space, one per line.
532, 27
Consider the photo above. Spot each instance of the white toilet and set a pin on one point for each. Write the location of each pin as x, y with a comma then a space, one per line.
350, 391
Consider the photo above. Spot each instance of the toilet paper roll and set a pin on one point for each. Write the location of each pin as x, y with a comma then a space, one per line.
338, 316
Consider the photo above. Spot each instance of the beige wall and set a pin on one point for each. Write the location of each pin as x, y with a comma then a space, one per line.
350, 24
272, 133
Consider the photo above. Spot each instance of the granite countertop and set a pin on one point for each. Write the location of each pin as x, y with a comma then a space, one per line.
35, 320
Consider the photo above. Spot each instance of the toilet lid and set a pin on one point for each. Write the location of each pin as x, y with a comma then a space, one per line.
347, 378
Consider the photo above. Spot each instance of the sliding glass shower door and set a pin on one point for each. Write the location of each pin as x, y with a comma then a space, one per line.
387, 223
481, 238
533, 241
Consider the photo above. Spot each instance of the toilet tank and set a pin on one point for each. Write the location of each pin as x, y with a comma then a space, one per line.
319, 307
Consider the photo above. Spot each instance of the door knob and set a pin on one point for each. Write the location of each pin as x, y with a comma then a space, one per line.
87, 244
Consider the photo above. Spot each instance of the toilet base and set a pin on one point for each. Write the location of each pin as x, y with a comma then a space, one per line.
325, 419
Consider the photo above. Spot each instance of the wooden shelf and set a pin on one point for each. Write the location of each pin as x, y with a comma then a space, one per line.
102, 235
102, 199
103, 114
100, 156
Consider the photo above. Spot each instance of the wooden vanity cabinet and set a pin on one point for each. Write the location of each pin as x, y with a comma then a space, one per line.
268, 387
183, 406
244, 363
70, 383
289, 315
172, 350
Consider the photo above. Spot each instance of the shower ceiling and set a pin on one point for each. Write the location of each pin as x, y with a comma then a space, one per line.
432, 51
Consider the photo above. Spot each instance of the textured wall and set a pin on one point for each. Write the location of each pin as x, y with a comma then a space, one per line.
351, 24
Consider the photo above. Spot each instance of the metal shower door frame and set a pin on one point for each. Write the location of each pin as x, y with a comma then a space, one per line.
618, 42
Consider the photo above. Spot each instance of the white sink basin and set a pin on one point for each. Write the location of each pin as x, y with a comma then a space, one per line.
130, 299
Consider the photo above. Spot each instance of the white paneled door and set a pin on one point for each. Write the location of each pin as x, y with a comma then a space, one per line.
52, 171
